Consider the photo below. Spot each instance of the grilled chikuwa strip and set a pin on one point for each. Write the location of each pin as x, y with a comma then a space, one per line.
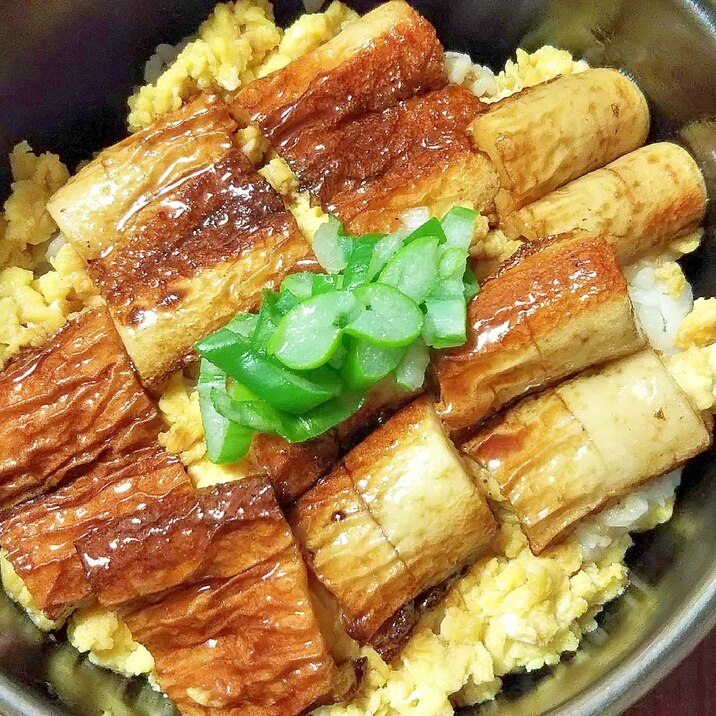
66, 404
213, 585
370, 170
93, 206
639, 203
558, 308
350, 555
40, 535
389, 55
295, 468
398, 517
542, 137
570, 451
369, 126
193, 239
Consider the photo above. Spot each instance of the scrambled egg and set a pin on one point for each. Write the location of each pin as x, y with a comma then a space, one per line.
26, 224
230, 46
32, 308
307, 33
489, 249
236, 44
672, 276
109, 642
699, 327
179, 406
531, 68
526, 70
308, 216
512, 610
16, 589
694, 369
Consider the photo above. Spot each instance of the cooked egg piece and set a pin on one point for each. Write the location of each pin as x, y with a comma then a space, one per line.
26, 226
699, 327
230, 47
17, 590
103, 634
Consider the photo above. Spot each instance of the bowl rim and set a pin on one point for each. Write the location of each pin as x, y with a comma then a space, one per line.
642, 667
627, 681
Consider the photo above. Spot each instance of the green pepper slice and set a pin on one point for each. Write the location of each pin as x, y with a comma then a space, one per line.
267, 377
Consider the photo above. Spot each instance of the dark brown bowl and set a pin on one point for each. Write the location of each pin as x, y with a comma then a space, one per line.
65, 73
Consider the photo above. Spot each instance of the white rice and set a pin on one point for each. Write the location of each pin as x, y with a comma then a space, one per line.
415, 218
658, 313
631, 514
461, 70
53, 248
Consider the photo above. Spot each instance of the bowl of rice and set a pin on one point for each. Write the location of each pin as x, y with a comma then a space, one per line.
586, 627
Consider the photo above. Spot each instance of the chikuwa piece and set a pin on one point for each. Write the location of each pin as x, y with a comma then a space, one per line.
67, 403
180, 233
639, 203
553, 310
547, 135
399, 516
213, 585
572, 450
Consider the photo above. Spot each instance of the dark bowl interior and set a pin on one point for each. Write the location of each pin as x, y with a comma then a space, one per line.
65, 73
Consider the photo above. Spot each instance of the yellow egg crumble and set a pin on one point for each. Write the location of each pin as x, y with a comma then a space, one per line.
236, 44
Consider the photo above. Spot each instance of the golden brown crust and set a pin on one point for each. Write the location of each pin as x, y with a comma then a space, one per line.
92, 207
560, 308
181, 233
189, 535
400, 516
369, 126
369, 170
389, 55
349, 553
226, 612
294, 468
40, 535
193, 258
68, 403
211, 216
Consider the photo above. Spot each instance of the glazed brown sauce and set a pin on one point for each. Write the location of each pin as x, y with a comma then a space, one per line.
208, 217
